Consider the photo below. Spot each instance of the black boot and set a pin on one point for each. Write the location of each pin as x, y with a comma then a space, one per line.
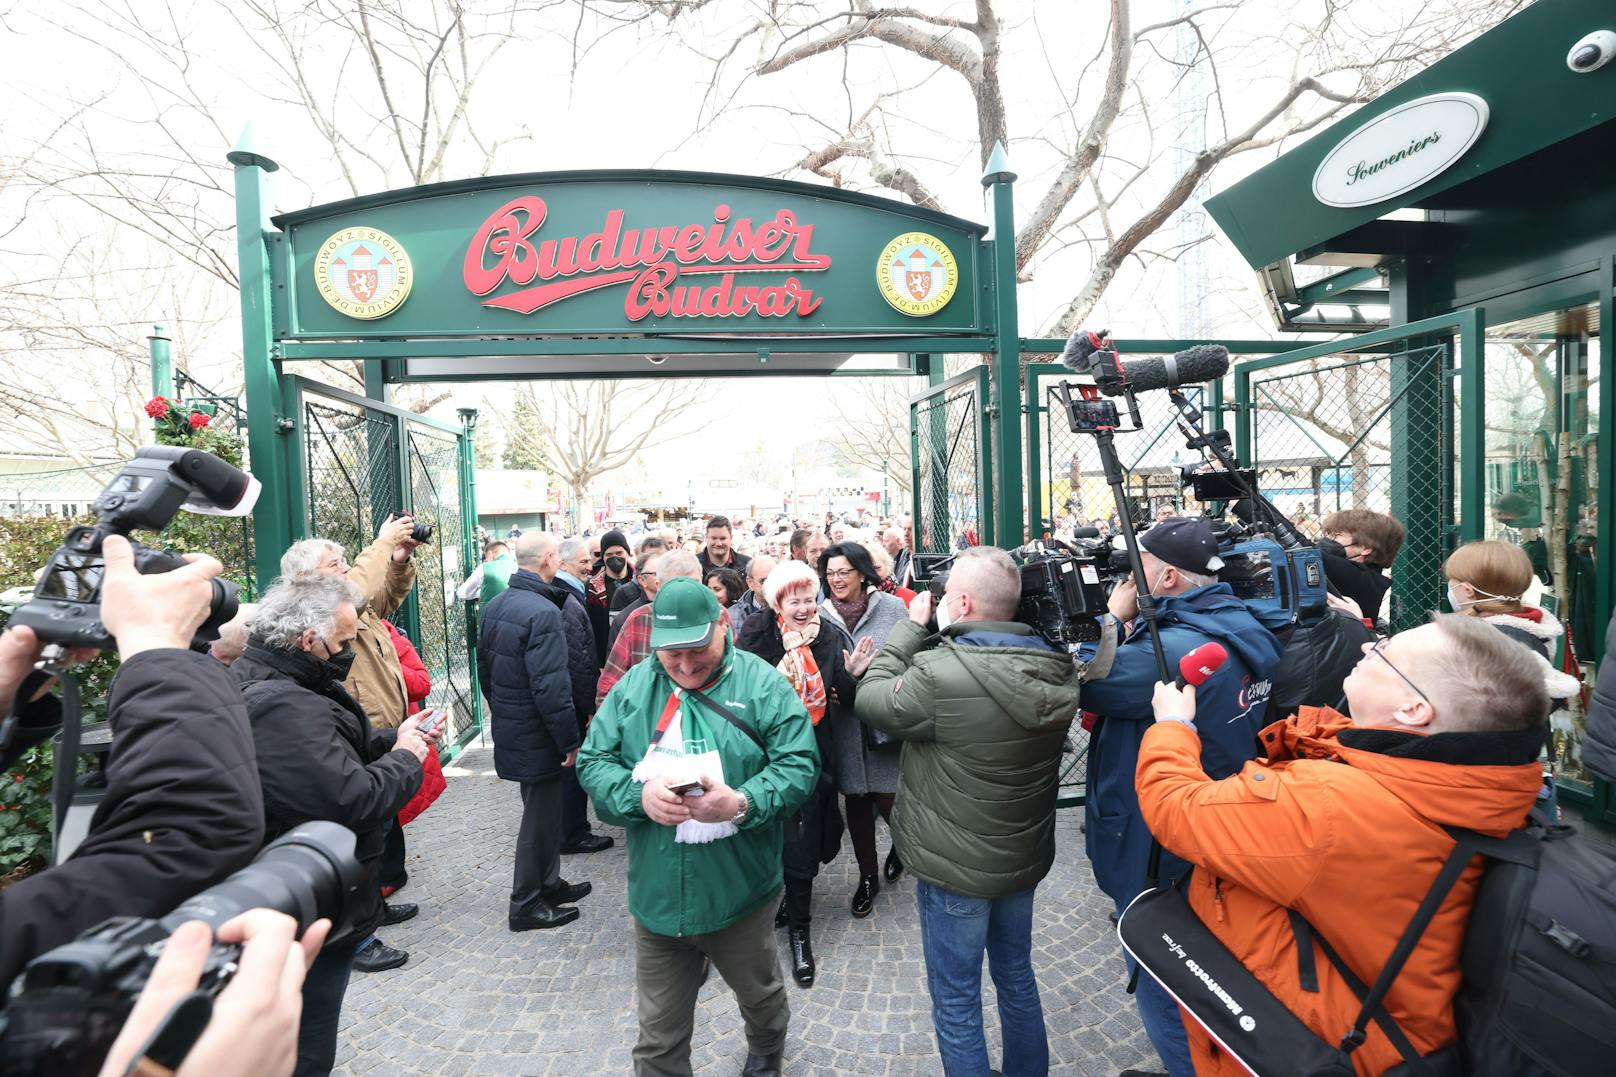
864, 896
780, 914
762, 1065
894, 866
802, 957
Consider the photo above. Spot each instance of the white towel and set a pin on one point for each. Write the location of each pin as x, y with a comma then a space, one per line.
669, 760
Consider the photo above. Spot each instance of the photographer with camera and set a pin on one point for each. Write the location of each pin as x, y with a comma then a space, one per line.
182, 807
1180, 561
982, 707
320, 759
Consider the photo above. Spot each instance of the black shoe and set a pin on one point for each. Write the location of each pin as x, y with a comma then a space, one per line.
589, 843
762, 1065
379, 957
864, 896
542, 916
780, 914
802, 957
567, 893
1142, 1073
397, 914
894, 866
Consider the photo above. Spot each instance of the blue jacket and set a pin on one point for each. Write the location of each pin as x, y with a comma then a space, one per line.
523, 669
1230, 709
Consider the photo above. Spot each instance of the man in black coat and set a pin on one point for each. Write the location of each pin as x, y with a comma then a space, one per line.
524, 672
319, 758
182, 808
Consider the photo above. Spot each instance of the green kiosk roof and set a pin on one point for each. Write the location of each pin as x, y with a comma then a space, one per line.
1507, 95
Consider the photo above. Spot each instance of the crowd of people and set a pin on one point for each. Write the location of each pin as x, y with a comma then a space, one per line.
737, 709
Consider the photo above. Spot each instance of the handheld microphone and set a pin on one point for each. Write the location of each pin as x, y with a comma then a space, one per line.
1197, 666
1192, 366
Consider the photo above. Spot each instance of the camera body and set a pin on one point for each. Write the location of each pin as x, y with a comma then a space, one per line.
144, 495
421, 533
1063, 594
69, 1004
1279, 586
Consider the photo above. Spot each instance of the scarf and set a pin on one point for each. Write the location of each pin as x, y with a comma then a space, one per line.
680, 767
852, 610
889, 586
801, 670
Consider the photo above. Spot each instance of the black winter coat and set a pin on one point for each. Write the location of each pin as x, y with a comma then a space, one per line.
523, 670
581, 665
1364, 583
319, 758
1318, 656
1599, 738
182, 809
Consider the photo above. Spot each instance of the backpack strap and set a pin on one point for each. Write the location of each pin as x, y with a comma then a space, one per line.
711, 704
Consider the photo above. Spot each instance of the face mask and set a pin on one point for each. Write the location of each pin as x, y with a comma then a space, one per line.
614, 565
341, 662
943, 617
1330, 545
1460, 603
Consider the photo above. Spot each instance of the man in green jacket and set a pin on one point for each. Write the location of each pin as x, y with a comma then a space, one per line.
703, 795
982, 708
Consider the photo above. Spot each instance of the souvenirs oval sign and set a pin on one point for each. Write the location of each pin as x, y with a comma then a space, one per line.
917, 274
1398, 150
363, 272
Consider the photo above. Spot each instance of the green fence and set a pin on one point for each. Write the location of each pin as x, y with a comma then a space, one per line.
952, 457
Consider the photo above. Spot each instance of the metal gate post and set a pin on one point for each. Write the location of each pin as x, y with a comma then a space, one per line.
1006, 521
470, 555
162, 362
1472, 425
272, 516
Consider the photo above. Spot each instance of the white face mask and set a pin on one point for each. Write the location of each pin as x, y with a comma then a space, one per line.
943, 617
1460, 603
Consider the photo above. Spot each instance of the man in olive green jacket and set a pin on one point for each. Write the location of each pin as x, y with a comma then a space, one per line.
982, 709
703, 798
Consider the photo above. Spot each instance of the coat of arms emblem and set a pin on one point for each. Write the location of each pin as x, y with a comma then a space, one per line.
363, 272
917, 274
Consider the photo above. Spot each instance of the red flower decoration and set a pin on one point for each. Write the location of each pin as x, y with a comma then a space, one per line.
157, 407
199, 420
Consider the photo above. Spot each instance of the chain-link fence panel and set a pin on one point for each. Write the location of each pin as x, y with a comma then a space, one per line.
434, 462
1364, 432
950, 464
352, 471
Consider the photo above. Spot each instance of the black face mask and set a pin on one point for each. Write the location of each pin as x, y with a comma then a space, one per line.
1330, 545
615, 565
340, 663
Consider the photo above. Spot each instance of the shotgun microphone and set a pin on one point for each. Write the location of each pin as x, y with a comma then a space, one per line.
1195, 667
1091, 352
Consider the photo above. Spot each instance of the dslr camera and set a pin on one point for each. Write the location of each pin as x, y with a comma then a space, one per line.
421, 533
67, 1007
162, 479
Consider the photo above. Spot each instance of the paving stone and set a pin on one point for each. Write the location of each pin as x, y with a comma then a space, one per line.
477, 999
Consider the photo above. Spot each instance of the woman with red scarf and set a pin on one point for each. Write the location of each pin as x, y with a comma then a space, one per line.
811, 655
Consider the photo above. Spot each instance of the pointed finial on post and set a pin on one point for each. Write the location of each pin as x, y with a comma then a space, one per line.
248, 151
998, 167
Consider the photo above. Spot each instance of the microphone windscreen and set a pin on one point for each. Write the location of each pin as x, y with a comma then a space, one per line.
1086, 532
1202, 662
1079, 347
1203, 362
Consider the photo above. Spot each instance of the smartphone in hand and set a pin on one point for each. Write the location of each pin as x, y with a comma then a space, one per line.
432, 720
690, 789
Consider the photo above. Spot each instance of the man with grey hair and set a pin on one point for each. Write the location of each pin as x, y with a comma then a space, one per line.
1180, 560
753, 600
982, 707
1344, 815
525, 672
892, 539
319, 757
633, 643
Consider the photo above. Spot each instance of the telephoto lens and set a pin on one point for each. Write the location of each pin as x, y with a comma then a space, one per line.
421, 533
67, 1007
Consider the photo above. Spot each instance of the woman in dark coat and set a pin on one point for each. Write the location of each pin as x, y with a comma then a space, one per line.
811, 655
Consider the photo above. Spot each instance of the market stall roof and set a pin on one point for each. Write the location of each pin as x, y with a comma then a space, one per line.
1511, 90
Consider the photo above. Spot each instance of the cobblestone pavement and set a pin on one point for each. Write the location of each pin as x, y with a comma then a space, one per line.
477, 999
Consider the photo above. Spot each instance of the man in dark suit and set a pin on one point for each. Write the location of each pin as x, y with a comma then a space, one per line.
523, 668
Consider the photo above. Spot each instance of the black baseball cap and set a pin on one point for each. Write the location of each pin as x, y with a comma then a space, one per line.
1185, 542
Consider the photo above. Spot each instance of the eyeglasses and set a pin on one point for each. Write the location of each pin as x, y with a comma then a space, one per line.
1375, 650
840, 573
644, 572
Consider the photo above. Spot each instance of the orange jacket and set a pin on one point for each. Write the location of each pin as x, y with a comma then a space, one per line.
1349, 838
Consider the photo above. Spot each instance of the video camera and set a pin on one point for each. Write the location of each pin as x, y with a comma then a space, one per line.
1062, 593
67, 1007
144, 495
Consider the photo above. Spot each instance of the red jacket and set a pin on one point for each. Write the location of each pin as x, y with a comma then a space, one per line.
1351, 839
417, 681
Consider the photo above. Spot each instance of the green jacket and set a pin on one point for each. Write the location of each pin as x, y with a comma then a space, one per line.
983, 711
497, 576
680, 890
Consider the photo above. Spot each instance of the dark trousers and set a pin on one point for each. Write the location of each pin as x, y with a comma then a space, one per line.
538, 845
668, 972
574, 806
323, 988
392, 867
799, 900
861, 809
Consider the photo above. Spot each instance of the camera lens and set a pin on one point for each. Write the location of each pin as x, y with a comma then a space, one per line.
421, 533
307, 874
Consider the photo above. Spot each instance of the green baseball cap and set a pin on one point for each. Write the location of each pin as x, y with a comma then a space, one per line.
683, 616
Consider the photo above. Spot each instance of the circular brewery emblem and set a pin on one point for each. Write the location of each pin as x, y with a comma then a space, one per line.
363, 272
917, 274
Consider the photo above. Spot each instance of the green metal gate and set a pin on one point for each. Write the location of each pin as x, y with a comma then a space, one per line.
951, 455
359, 460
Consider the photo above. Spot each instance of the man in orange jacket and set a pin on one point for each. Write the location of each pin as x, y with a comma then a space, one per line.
1343, 823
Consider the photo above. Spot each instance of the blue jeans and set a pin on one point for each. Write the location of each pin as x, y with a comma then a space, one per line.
955, 930
1163, 1020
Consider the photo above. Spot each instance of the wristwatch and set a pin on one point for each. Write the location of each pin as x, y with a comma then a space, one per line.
746, 806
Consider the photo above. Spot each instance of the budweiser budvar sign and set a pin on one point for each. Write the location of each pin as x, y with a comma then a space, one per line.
653, 262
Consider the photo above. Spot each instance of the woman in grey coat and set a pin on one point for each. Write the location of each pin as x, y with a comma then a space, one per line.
868, 775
